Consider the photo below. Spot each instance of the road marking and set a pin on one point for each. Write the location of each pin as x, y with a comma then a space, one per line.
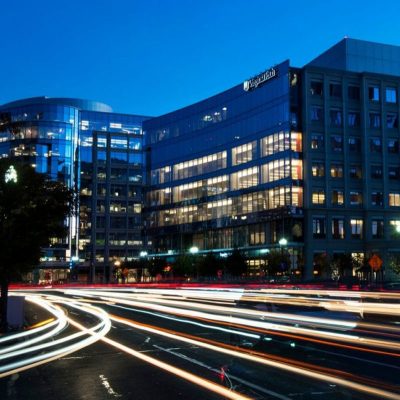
106, 384
218, 371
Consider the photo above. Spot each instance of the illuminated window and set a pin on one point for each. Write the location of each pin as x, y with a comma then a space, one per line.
394, 199
244, 179
297, 169
275, 143
319, 227
337, 197
337, 228
244, 153
318, 169
356, 228
275, 170
336, 170
296, 141
377, 228
318, 196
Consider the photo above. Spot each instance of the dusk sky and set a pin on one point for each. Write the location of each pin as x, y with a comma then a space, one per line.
150, 57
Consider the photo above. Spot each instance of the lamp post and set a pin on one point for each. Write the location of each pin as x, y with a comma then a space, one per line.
193, 251
282, 243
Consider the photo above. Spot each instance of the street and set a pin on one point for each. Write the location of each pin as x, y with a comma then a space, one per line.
199, 343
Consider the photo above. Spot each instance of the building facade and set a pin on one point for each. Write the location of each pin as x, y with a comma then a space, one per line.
99, 155
307, 154
298, 161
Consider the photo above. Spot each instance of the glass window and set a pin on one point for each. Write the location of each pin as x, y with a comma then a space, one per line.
355, 171
135, 143
353, 119
393, 172
316, 114
336, 143
355, 198
337, 197
335, 117
392, 120
336, 170
377, 229
244, 153
118, 157
393, 146
318, 169
316, 88
274, 143
375, 145
374, 120
377, 199
274, 170
317, 141
373, 93
319, 227
335, 90
119, 142
337, 228
248, 177
318, 196
391, 95
354, 144
353, 92
356, 228
394, 199
376, 171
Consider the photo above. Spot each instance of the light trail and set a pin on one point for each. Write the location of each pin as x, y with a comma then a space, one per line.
226, 349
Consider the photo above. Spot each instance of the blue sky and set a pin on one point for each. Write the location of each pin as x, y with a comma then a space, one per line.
153, 56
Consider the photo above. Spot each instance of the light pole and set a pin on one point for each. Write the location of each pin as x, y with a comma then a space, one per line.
282, 243
193, 251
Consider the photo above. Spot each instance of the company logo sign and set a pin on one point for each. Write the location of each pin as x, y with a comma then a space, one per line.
260, 79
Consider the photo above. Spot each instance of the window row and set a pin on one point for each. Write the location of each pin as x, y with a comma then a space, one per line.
354, 144
354, 228
335, 90
355, 198
354, 171
353, 118
232, 208
271, 144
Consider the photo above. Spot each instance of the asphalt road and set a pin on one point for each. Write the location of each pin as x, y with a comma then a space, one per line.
206, 345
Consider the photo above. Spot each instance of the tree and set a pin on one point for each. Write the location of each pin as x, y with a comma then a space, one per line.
33, 210
209, 265
236, 263
277, 261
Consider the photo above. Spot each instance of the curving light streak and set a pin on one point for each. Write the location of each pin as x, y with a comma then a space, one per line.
102, 329
383, 394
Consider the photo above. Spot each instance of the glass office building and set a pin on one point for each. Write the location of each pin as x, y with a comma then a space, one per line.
99, 155
226, 173
307, 154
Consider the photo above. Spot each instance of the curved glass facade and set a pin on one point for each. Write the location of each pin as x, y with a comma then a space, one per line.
99, 155
227, 172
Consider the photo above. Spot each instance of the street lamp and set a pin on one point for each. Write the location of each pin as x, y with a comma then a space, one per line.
194, 250
143, 254
282, 242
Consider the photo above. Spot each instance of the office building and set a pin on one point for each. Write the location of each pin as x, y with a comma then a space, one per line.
309, 155
99, 155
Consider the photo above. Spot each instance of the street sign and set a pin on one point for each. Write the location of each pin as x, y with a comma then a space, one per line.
375, 262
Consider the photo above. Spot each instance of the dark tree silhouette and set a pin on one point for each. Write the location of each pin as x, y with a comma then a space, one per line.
32, 211
236, 263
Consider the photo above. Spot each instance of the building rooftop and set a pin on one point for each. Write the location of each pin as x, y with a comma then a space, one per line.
360, 56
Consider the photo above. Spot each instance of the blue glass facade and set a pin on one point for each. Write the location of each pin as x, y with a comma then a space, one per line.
226, 172
97, 153
310, 155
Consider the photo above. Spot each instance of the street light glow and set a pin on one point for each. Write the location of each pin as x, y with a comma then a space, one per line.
11, 175
283, 242
194, 250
